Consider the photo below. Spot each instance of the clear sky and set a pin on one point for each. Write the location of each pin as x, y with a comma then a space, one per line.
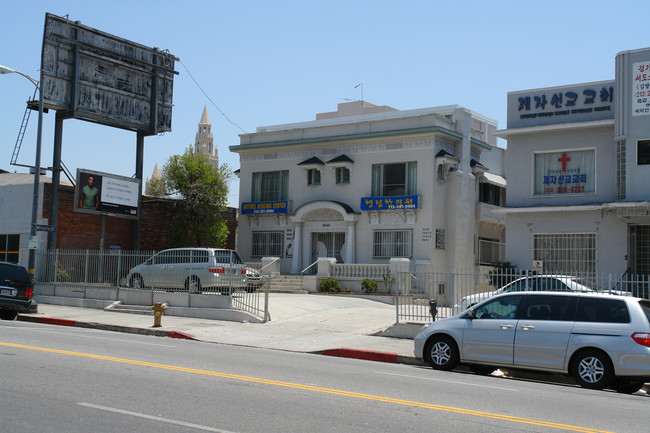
273, 62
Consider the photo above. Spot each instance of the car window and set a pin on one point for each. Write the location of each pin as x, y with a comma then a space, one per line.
645, 305
549, 307
552, 284
503, 307
222, 256
602, 310
13, 273
518, 286
163, 258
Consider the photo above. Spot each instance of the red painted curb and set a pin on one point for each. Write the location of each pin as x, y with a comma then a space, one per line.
362, 354
52, 321
180, 335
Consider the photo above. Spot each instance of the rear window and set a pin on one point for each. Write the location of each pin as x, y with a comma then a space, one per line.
602, 310
13, 273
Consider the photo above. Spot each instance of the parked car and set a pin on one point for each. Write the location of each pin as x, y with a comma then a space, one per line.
195, 270
556, 283
601, 340
16, 290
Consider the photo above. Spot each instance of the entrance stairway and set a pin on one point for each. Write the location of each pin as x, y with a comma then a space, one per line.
285, 284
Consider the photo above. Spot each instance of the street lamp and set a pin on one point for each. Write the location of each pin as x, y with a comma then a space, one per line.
37, 165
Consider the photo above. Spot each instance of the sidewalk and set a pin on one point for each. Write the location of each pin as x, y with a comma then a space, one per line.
300, 322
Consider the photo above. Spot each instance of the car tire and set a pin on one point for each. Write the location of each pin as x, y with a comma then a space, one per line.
441, 353
8, 314
482, 370
625, 386
193, 284
592, 369
136, 282
251, 289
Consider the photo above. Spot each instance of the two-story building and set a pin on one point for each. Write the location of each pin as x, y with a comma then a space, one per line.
368, 183
578, 167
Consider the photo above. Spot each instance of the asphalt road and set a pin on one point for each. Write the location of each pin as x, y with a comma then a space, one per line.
83, 380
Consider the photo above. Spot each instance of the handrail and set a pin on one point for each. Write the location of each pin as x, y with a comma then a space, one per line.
277, 259
302, 274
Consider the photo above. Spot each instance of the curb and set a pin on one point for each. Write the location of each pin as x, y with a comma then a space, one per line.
105, 327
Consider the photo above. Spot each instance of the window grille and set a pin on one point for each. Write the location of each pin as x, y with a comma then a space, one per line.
566, 253
392, 243
620, 170
267, 244
441, 239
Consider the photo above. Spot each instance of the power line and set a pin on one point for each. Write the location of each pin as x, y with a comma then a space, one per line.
209, 99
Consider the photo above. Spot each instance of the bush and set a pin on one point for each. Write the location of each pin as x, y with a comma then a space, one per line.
389, 281
330, 284
63, 276
368, 285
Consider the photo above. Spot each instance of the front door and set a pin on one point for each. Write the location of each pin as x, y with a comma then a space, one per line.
327, 244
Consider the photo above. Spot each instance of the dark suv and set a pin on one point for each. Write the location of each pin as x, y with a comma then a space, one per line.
16, 290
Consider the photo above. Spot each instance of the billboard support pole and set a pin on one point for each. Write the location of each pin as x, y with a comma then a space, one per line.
56, 180
139, 162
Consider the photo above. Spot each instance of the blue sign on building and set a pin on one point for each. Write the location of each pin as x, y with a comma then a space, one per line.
389, 203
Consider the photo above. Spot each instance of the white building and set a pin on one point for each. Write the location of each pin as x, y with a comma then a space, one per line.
578, 166
368, 183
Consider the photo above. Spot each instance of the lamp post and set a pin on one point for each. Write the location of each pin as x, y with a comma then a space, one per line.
37, 166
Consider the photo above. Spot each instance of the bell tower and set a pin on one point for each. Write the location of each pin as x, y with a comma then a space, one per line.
204, 143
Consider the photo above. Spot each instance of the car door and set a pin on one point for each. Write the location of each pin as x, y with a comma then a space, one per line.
543, 331
490, 336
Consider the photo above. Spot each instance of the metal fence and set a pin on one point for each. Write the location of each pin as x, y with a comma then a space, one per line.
105, 275
454, 290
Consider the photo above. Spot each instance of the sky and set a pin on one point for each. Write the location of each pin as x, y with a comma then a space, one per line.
256, 63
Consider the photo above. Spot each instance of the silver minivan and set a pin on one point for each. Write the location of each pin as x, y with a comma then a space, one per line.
195, 270
601, 340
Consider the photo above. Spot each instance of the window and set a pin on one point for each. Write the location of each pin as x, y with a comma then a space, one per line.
643, 152
567, 172
392, 243
549, 307
270, 186
9, 248
566, 253
490, 194
267, 243
602, 310
621, 169
441, 239
442, 173
501, 308
342, 175
313, 176
394, 179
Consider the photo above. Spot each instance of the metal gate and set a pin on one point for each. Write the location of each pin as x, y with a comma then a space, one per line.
329, 243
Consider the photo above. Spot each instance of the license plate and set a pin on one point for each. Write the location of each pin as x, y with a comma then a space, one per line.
8, 292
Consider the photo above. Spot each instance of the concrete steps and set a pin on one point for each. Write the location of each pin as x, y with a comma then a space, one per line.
118, 307
285, 284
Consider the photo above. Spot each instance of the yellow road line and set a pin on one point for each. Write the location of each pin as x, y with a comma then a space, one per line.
315, 389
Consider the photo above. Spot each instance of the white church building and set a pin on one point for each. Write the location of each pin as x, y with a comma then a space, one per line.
368, 183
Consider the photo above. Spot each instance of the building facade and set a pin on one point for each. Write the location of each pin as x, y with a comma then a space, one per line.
368, 183
578, 166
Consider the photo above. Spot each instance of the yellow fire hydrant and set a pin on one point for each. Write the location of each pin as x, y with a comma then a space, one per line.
158, 309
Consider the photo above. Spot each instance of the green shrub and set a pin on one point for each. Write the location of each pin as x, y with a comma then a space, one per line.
368, 285
330, 284
63, 276
389, 281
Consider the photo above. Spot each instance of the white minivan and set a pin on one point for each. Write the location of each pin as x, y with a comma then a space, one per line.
601, 340
195, 270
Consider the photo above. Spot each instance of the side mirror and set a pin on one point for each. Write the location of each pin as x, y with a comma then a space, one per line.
470, 314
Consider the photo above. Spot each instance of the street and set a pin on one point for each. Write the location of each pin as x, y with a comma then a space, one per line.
58, 379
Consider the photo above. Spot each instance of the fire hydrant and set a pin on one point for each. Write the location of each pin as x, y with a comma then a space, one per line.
158, 309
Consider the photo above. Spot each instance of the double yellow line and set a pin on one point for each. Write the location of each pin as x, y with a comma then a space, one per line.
437, 407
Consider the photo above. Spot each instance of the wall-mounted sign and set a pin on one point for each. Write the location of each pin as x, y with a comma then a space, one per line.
265, 207
641, 89
98, 192
389, 203
567, 172
565, 104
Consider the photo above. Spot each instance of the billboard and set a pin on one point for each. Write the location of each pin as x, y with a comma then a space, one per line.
104, 193
101, 78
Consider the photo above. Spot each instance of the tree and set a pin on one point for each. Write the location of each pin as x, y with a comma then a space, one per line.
202, 192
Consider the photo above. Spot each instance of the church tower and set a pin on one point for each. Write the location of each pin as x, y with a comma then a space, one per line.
204, 142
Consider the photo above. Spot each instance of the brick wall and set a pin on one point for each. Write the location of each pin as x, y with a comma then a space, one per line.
76, 230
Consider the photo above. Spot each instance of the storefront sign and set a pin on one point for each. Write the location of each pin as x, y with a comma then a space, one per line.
641, 89
578, 103
569, 172
265, 207
389, 203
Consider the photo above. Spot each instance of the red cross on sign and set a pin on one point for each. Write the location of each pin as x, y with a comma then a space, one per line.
564, 160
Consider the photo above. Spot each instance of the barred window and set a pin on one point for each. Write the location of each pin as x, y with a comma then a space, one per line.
392, 243
572, 253
267, 243
441, 239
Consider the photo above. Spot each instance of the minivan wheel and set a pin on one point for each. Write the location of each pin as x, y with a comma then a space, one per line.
136, 282
441, 353
193, 284
8, 314
592, 369
625, 386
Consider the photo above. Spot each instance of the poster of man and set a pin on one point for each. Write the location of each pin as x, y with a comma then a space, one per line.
90, 193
